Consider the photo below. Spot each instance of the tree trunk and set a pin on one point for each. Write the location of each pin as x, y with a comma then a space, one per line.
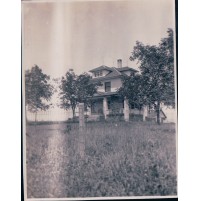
158, 112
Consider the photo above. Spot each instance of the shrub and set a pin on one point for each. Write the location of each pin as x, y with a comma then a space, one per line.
136, 117
115, 117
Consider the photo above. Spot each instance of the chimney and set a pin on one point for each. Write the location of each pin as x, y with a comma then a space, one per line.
119, 63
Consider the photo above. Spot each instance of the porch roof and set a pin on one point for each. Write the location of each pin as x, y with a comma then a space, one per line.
103, 94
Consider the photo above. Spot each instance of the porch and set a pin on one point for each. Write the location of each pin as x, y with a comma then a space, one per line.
111, 107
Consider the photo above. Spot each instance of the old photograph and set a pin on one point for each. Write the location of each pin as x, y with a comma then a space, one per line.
99, 94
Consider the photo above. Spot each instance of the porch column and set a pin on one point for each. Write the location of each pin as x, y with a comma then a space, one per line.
145, 112
105, 107
89, 111
126, 109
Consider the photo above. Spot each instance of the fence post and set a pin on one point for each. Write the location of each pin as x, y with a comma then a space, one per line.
81, 141
144, 113
126, 109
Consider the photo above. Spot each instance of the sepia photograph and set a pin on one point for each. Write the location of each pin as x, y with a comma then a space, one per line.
99, 99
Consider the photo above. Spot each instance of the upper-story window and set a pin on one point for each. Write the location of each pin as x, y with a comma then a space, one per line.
107, 86
98, 73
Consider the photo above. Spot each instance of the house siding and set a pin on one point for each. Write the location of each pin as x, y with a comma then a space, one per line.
115, 85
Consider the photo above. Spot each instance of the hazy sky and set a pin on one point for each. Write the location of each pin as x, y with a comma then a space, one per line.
84, 35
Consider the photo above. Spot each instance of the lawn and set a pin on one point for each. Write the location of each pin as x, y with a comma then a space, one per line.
121, 159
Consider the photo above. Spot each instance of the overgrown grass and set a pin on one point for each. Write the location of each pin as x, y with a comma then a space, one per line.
121, 159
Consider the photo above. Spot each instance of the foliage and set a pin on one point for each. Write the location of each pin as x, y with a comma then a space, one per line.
76, 89
86, 89
68, 94
38, 91
155, 84
132, 89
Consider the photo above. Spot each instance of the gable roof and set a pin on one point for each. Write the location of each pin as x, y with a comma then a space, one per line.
103, 67
113, 72
126, 68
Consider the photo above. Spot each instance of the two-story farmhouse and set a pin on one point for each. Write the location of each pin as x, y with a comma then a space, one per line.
106, 101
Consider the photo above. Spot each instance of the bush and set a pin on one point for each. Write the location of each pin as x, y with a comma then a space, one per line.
43, 122
151, 119
136, 117
101, 118
116, 114
115, 117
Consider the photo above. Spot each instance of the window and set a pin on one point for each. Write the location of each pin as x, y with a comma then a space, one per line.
107, 86
98, 73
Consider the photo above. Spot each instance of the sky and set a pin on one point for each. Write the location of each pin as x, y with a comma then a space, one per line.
83, 35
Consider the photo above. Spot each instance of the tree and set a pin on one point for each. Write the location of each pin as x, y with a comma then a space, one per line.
68, 94
132, 89
155, 84
86, 89
37, 90
76, 89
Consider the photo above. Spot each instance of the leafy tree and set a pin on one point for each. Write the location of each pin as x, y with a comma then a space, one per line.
76, 89
155, 84
38, 91
132, 89
86, 89
68, 94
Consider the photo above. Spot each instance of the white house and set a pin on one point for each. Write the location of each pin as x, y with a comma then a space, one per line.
106, 102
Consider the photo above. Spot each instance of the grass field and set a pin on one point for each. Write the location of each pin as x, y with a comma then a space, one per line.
123, 159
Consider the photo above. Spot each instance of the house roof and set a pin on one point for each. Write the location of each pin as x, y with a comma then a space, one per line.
113, 72
126, 68
103, 67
